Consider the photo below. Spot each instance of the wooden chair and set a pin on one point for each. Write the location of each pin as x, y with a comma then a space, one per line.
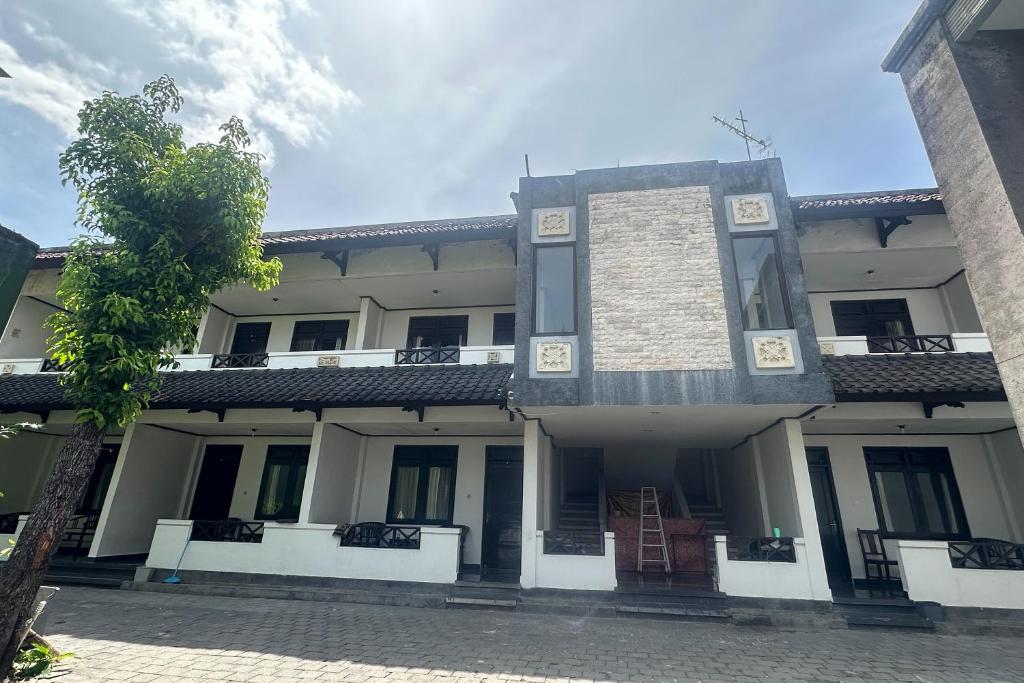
873, 551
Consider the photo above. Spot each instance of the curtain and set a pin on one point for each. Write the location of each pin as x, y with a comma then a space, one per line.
438, 493
403, 505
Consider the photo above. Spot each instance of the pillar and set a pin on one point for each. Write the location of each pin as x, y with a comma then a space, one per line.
533, 446
371, 317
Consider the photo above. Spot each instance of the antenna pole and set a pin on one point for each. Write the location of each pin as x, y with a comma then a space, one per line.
527, 158
764, 144
746, 135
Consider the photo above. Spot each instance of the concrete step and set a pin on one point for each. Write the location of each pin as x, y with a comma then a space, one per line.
61, 579
453, 602
893, 621
677, 613
283, 592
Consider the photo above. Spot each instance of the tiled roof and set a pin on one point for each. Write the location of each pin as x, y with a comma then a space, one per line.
448, 230
897, 202
886, 376
300, 387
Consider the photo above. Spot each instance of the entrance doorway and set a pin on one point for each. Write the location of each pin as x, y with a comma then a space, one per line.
501, 547
830, 524
216, 483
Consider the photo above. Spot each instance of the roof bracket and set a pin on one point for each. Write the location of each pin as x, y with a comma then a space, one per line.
318, 412
44, 415
433, 251
887, 226
419, 410
338, 258
930, 406
219, 412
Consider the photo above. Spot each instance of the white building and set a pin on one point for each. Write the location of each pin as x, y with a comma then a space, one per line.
442, 402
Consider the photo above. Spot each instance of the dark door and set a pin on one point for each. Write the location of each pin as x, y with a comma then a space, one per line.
830, 524
250, 338
501, 550
216, 484
91, 500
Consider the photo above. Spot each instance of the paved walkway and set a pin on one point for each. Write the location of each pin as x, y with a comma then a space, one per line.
138, 637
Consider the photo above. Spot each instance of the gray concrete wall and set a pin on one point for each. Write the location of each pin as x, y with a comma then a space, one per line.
968, 99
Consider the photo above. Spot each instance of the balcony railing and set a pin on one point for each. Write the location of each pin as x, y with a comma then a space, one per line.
761, 549
379, 535
986, 553
917, 343
227, 531
573, 543
79, 532
422, 356
240, 360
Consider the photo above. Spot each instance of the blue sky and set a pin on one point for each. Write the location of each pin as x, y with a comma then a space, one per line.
388, 111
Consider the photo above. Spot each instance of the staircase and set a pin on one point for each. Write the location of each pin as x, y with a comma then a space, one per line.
580, 516
897, 613
714, 525
100, 573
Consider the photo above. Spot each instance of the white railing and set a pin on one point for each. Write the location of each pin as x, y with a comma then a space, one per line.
963, 342
577, 572
308, 550
468, 355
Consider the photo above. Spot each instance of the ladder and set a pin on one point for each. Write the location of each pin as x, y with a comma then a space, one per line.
651, 529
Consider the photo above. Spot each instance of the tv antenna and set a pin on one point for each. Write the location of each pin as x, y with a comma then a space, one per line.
764, 144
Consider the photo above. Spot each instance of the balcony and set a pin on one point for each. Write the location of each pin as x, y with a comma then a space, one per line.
925, 343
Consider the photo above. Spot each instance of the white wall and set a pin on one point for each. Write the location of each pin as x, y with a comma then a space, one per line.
26, 460
395, 330
282, 327
331, 476
960, 307
576, 572
469, 481
982, 501
371, 318
779, 485
25, 334
929, 576
777, 580
925, 305
1006, 457
741, 491
152, 471
250, 469
213, 332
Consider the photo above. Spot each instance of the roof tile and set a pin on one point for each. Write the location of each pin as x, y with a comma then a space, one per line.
889, 374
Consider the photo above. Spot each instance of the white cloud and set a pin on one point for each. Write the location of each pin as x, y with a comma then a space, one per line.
254, 70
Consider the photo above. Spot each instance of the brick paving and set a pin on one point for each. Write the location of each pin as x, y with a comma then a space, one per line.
140, 637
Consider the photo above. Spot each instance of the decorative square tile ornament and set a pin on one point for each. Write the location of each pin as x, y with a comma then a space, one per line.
750, 210
554, 357
493, 357
8, 369
554, 223
827, 348
773, 352
328, 361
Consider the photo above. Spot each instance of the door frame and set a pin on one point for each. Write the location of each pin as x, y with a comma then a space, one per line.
489, 454
830, 480
199, 473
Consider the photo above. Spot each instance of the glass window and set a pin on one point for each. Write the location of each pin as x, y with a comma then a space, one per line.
284, 474
915, 493
873, 318
504, 329
435, 331
319, 335
762, 294
250, 338
422, 485
555, 294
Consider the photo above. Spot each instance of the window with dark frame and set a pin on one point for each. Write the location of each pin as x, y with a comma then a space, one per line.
915, 494
422, 485
284, 475
763, 297
250, 338
436, 331
319, 335
872, 318
504, 329
554, 294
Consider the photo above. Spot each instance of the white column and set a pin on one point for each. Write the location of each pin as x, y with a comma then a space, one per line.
805, 508
532, 446
368, 328
315, 448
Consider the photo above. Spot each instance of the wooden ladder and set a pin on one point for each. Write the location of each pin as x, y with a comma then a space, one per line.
650, 510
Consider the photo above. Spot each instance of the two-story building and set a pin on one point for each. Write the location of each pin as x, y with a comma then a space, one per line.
494, 404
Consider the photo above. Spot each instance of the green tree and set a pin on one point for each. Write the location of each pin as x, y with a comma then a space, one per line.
167, 226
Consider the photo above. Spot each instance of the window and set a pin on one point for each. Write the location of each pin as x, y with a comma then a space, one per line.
250, 338
437, 331
284, 473
874, 318
915, 493
762, 291
504, 329
319, 335
554, 299
422, 485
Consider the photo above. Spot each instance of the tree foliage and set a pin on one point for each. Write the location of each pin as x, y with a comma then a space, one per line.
168, 225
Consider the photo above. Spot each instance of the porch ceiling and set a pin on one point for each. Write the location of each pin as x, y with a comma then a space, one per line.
909, 418
681, 426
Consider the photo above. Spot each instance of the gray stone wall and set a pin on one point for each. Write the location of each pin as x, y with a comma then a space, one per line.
656, 282
968, 100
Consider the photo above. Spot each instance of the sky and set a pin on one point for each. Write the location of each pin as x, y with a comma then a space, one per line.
380, 111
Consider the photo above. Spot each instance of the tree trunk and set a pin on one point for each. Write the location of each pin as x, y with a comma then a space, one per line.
22, 574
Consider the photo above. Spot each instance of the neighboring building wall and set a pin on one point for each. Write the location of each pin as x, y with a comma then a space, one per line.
656, 282
16, 256
983, 503
967, 98
26, 460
